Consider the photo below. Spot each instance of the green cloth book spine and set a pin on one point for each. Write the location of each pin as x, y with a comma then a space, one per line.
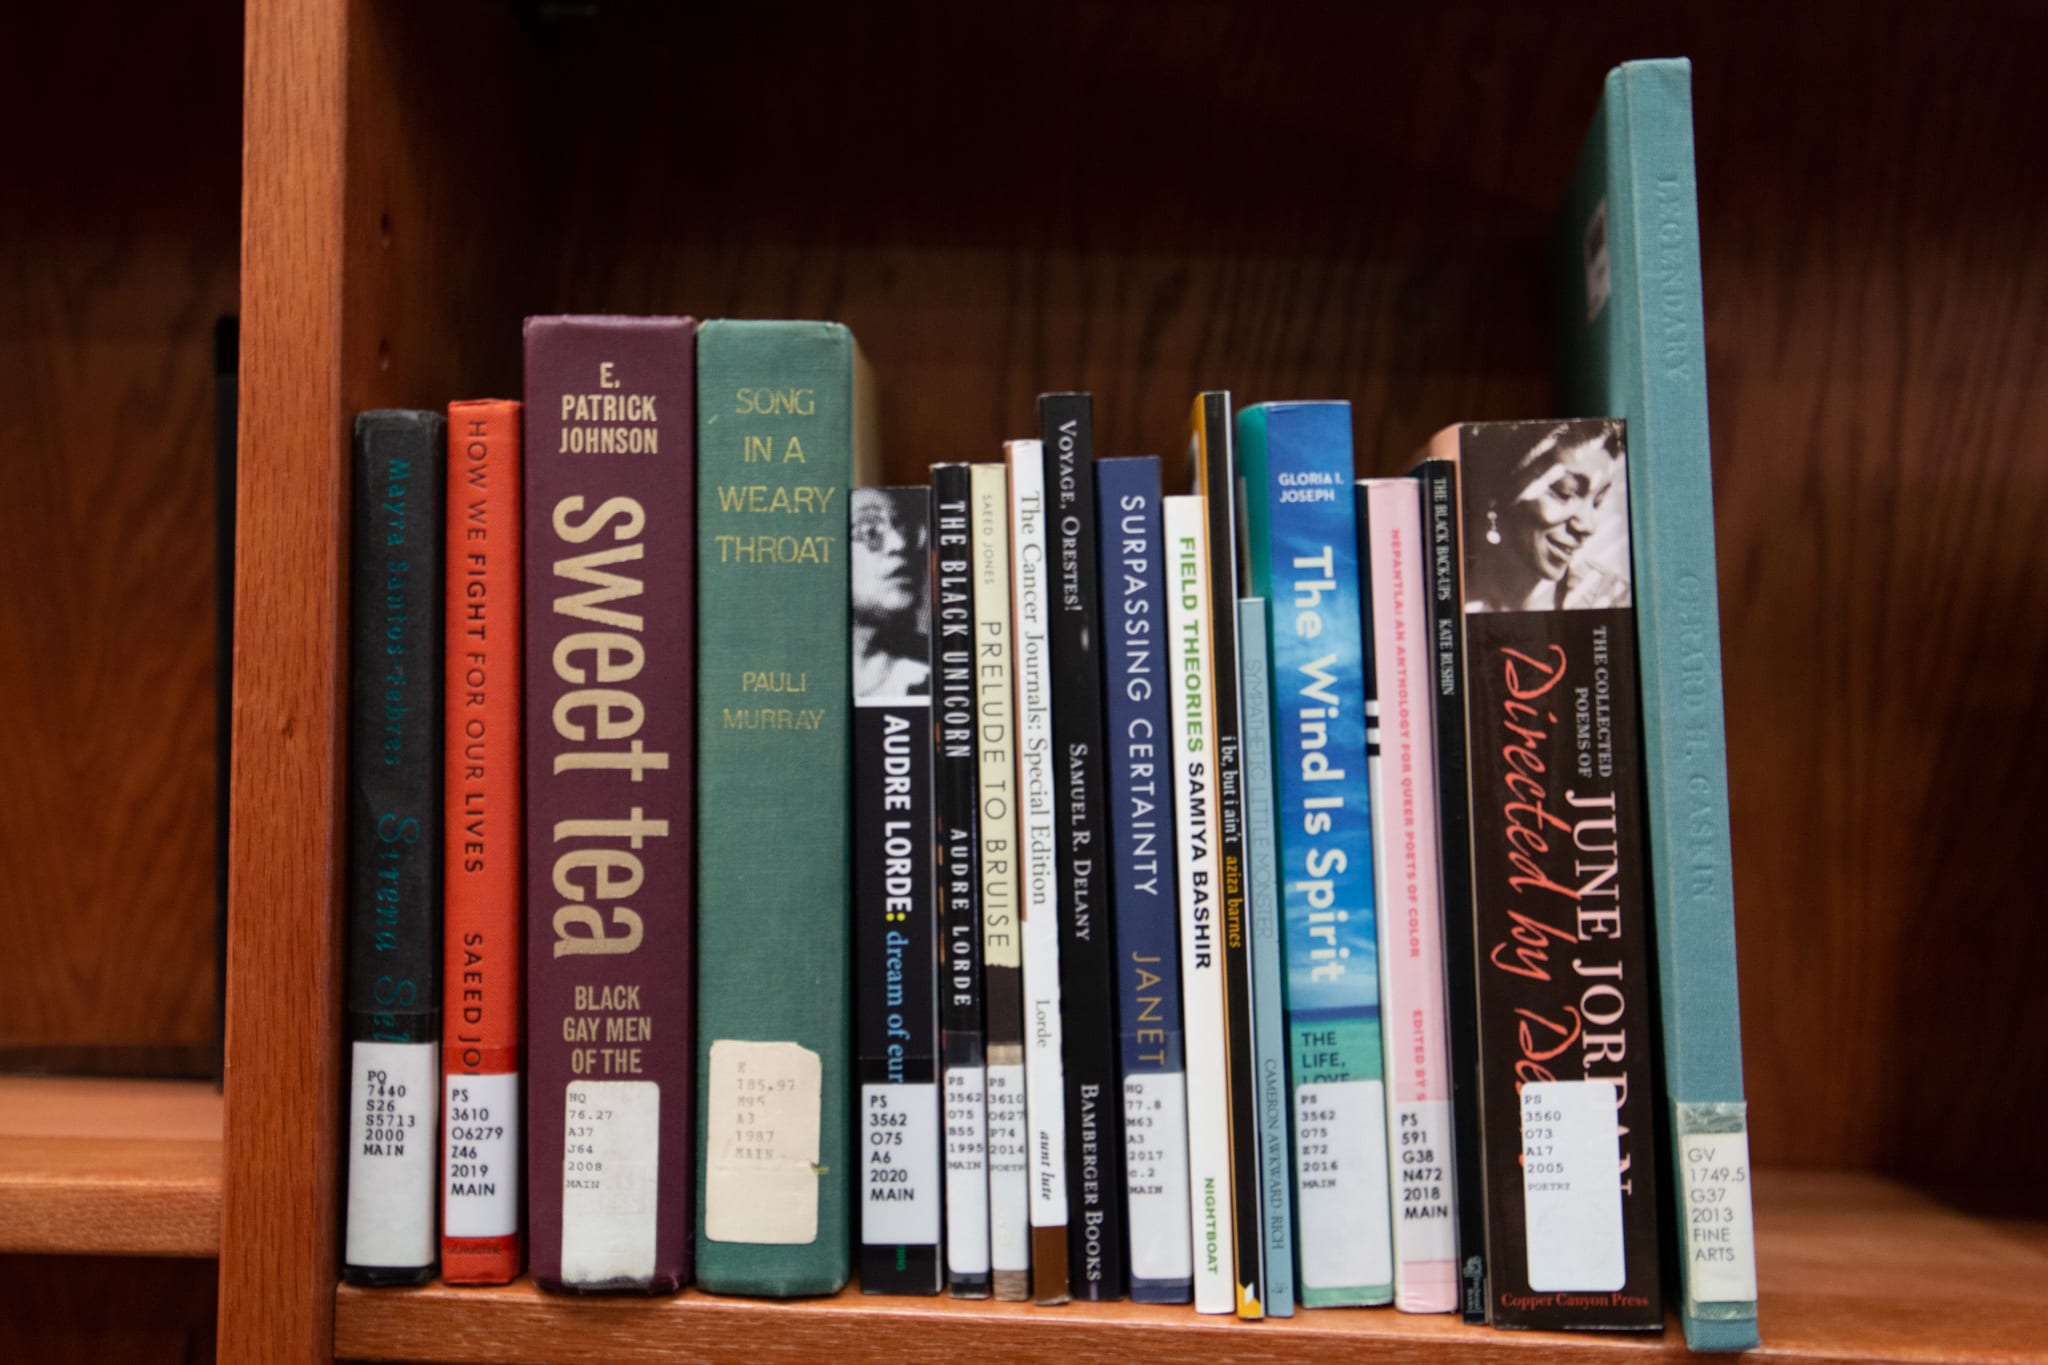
781, 437
1631, 343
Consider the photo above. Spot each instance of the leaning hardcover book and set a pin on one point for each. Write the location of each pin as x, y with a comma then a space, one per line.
784, 430
955, 790
609, 614
1138, 758
395, 848
1303, 559
482, 1110
895, 937
1566, 1021
1632, 345
1415, 1024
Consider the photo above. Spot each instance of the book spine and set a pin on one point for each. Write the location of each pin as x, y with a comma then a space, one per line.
1201, 948
1215, 465
1045, 1101
1633, 342
394, 920
1404, 807
1567, 1109
1446, 626
484, 860
896, 943
1095, 1213
1262, 893
609, 634
1305, 563
954, 786
782, 414
1002, 940
1141, 852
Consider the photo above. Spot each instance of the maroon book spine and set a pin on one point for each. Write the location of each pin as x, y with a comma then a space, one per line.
610, 669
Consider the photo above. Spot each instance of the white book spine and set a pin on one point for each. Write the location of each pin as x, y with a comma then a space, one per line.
1201, 942
1415, 1023
1038, 831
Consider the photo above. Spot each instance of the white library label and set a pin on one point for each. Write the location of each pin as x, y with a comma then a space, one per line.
761, 1150
1156, 1169
1571, 1186
1424, 1198
480, 1165
1340, 1154
967, 1170
611, 1163
392, 1137
1720, 1225
899, 1163
1009, 1198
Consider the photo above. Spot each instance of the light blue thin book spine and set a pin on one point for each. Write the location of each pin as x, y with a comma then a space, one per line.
1303, 559
1631, 343
1269, 1029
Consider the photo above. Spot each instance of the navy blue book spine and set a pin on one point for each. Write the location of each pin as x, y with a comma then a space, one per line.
1130, 545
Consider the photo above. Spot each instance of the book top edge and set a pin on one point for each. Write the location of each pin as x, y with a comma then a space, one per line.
1292, 404
622, 320
398, 417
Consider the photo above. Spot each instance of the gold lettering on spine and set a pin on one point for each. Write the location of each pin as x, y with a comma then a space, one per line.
597, 868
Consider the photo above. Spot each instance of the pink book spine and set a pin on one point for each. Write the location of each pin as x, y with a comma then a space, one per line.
1414, 1024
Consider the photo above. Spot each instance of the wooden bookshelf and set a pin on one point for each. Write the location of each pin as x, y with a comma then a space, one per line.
109, 1168
1314, 199
1292, 200
1852, 1268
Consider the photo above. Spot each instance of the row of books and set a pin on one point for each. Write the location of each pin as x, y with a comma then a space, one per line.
1043, 881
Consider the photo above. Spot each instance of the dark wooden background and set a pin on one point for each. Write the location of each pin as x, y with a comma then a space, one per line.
118, 244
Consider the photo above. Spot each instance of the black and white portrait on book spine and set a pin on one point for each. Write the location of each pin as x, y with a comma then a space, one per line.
889, 532
1545, 516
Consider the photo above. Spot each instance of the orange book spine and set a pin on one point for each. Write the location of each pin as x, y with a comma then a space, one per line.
482, 1219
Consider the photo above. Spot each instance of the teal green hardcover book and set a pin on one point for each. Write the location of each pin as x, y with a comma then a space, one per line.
781, 421
1632, 345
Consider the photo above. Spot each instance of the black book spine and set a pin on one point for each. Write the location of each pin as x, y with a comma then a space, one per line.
1461, 1000
1216, 476
1095, 1129
895, 939
1566, 1020
955, 791
394, 858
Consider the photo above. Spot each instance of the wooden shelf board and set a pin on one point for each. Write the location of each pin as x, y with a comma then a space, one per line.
109, 1168
1854, 1268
